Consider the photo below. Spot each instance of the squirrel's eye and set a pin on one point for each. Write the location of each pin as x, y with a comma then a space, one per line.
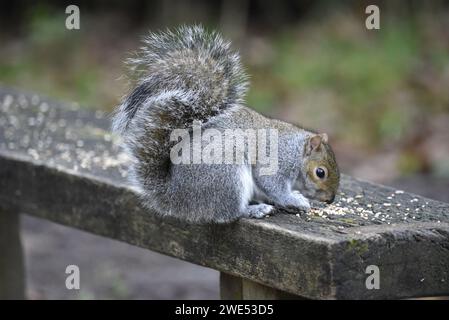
320, 172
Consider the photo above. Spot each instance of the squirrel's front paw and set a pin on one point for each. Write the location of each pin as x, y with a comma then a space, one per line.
258, 211
297, 200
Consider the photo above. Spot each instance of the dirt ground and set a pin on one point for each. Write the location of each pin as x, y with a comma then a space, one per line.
108, 269
113, 270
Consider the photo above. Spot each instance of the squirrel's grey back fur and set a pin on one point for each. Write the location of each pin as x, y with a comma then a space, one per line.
192, 75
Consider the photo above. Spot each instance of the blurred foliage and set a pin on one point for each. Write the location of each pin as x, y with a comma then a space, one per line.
50, 59
371, 90
371, 75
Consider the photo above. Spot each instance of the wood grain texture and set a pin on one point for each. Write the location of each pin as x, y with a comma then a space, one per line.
60, 162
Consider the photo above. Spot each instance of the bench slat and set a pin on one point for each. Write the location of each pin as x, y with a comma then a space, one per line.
59, 162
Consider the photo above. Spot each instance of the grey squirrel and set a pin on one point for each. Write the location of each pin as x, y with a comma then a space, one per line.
191, 75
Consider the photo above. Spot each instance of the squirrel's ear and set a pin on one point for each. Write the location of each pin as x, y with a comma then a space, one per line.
314, 143
324, 137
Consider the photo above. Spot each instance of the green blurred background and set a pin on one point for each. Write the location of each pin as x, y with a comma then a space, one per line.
381, 95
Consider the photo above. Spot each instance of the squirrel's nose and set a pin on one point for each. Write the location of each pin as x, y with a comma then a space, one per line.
331, 199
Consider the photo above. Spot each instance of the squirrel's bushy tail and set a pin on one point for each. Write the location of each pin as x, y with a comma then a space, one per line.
182, 76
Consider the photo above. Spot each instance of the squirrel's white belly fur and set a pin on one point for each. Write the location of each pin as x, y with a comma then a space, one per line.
248, 186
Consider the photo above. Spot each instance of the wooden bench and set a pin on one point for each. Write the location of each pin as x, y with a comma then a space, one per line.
59, 162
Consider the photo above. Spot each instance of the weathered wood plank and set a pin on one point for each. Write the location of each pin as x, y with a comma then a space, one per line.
59, 162
12, 275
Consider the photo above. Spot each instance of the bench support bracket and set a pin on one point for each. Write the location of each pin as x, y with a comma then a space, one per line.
12, 275
235, 288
